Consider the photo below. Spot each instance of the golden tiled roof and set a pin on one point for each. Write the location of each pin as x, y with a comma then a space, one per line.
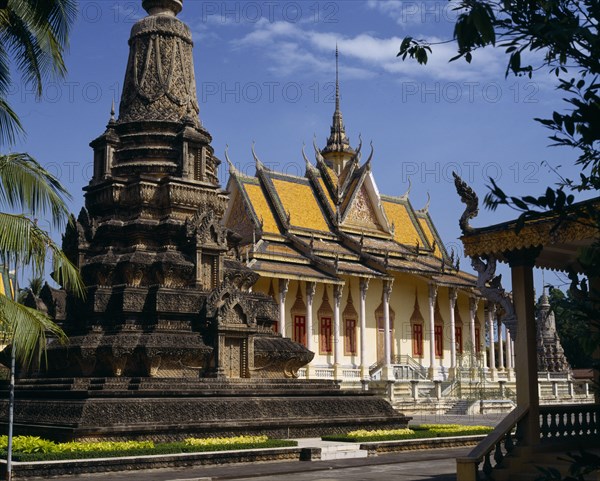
405, 230
329, 199
261, 207
429, 236
299, 200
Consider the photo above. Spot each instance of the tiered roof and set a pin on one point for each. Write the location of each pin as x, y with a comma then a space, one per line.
333, 221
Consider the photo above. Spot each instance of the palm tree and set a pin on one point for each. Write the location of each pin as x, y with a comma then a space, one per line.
25, 186
34, 34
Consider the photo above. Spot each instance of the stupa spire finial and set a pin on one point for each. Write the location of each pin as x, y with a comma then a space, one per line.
162, 7
337, 78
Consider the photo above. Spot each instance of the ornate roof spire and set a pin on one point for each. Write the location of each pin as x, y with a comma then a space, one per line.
338, 150
160, 83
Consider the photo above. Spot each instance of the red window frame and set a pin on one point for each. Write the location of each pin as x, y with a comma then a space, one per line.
417, 338
477, 343
300, 329
276, 327
350, 337
438, 337
326, 337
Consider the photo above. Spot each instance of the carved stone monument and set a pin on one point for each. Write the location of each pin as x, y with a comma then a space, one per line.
550, 353
170, 340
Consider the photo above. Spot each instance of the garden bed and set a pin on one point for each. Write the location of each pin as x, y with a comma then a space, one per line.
30, 448
421, 431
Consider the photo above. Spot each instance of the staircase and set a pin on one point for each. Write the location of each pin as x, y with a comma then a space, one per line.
330, 450
460, 408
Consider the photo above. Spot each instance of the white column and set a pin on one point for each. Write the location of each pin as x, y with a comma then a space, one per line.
283, 288
500, 348
364, 369
337, 345
490, 313
452, 298
472, 313
483, 349
510, 365
387, 373
310, 296
432, 297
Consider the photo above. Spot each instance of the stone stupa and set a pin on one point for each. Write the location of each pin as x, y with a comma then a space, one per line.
170, 341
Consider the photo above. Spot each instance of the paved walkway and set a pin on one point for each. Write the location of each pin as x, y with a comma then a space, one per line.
433, 464
422, 465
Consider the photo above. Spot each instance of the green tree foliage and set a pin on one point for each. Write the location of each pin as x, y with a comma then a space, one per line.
33, 37
571, 330
25, 186
557, 37
560, 36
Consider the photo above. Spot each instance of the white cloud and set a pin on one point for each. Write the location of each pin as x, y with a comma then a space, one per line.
293, 49
411, 12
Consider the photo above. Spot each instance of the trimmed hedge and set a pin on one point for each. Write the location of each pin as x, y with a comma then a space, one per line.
414, 432
29, 448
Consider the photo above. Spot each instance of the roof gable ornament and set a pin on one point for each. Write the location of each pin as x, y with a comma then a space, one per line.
309, 166
232, 169
425, 210
259, 164
470, 199
407, 193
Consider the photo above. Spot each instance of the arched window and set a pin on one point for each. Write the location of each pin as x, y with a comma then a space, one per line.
417, 322
299, 318
350, 316
325, 314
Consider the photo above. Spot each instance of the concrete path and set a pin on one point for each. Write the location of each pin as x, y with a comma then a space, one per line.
433, 464
422, 465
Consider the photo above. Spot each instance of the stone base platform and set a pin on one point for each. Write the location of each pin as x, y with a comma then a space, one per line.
165, 409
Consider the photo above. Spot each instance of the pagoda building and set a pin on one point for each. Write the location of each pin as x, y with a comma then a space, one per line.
171, 340
362, 279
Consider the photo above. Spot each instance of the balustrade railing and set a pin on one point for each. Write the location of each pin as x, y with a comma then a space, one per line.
562, 422
492, 450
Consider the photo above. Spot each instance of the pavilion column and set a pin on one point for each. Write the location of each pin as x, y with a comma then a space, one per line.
501, 366
521, 264
283, 288
490, 313
337, 345
364, 369
310, 296
432, 298
452, 295
483, 350
510, 366
592, 324
474, 301
388, 371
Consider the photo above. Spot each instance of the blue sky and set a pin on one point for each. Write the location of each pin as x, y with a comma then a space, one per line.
265, 73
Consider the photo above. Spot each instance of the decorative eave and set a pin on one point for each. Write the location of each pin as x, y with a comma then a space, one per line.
559, 239
262, 172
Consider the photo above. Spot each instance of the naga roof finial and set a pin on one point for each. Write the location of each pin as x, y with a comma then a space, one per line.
470, 199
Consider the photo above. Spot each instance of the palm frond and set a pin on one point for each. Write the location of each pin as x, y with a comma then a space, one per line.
23, 242
10, 125
26, 186
27, 329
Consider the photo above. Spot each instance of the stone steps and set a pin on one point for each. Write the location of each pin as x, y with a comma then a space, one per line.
332, 449
345, 451
459, 408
